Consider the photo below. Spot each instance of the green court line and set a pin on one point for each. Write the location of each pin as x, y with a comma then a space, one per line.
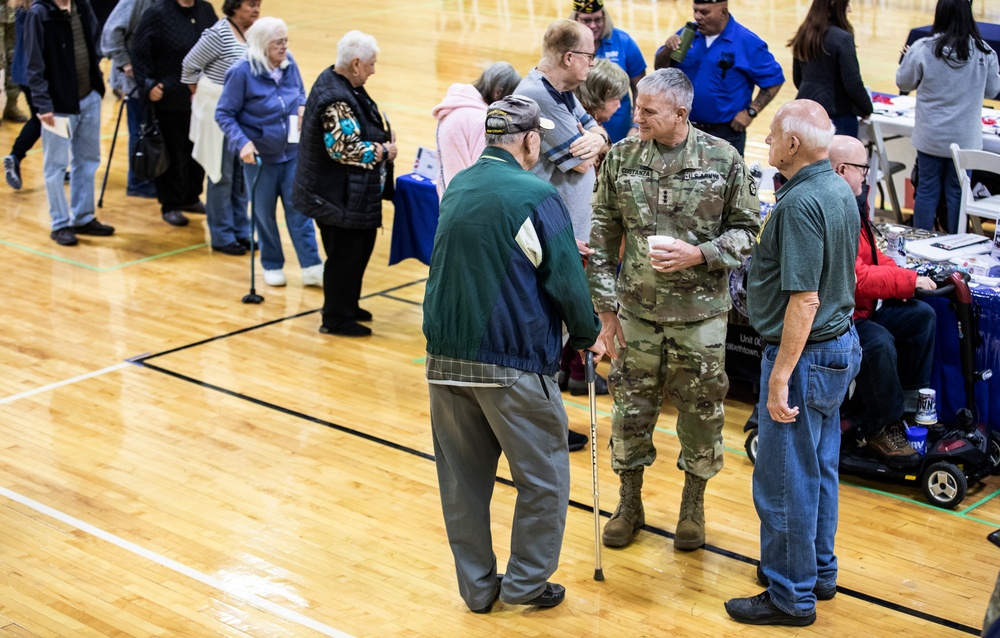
73, 262
981, 501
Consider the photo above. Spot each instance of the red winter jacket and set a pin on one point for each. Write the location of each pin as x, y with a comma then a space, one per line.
878, 277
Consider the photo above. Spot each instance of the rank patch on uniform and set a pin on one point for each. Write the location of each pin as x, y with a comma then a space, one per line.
666, 197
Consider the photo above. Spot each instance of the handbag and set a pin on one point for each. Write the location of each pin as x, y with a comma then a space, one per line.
150, 159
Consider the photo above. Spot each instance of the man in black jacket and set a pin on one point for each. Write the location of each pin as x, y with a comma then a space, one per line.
66, 86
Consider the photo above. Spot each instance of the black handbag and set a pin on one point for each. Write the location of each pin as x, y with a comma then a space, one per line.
150, 159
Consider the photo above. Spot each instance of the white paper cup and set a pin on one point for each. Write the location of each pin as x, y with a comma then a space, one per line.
655, 241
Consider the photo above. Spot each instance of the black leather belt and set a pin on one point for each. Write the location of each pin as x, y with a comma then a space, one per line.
813, 342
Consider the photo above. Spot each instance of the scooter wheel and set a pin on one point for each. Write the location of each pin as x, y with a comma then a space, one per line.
944, 485
751, 445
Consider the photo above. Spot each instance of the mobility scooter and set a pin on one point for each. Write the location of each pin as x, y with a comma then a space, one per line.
955, 456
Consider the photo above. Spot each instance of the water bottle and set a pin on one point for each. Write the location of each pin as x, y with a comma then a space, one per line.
687, 36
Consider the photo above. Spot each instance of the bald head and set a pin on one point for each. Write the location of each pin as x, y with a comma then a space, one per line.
849, 159
801, 133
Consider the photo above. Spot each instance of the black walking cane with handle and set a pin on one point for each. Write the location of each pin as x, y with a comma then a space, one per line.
591, 375
111, 153
253, 297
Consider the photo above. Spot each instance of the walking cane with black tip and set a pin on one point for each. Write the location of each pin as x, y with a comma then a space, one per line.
111, 153
591, 375
253, 297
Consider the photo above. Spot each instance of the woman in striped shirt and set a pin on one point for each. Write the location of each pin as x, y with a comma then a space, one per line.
204, 71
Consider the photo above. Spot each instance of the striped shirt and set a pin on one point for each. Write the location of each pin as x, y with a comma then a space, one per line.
215, 52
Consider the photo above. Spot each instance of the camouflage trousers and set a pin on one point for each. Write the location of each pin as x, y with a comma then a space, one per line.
6, 56
688, 361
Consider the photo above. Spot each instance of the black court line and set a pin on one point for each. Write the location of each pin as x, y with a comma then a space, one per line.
944, 622
382, 293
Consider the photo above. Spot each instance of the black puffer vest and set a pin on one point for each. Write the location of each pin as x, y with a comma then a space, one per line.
332, 193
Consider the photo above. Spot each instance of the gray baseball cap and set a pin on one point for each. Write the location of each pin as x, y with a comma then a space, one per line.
514, 114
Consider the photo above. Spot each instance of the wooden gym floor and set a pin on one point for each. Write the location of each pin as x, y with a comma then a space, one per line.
176, 463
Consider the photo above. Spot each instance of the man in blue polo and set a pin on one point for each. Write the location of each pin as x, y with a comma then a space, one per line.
800, 298
504, 277
724, 63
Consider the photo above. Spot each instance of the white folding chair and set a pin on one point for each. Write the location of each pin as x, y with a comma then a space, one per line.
881, 171
972, 209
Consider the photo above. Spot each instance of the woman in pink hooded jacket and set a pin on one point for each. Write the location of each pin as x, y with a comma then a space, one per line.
461, 116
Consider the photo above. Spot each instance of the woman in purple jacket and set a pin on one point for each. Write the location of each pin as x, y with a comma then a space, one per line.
260, 111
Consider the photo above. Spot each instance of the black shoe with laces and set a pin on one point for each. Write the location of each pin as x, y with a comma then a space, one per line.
230, 249
94, 227
12, 172
761, 610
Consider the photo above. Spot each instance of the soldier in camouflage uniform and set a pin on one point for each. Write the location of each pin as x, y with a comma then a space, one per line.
667, 308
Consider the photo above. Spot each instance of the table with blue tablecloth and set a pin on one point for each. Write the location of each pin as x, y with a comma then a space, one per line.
415, 220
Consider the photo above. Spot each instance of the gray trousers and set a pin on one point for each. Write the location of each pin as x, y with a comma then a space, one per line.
471, 427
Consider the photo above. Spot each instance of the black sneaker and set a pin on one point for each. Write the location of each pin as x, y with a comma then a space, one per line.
64, 236
245, 242
761, 610
12, 171
577, 441
94, 227
175, 218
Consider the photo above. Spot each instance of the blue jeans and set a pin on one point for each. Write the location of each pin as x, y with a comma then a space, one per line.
226, 202
935, 174
796, 472
898, 342
276, 181
134, 112
85, 143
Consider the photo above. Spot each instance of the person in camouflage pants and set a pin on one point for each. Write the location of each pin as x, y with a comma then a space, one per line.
8, 36
666, 308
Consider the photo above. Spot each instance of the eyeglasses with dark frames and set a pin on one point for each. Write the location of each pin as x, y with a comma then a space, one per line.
590, 56
864, 168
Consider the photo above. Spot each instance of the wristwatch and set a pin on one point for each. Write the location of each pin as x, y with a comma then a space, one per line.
752, 111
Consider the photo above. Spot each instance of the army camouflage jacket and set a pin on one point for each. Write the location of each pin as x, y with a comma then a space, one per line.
705, 197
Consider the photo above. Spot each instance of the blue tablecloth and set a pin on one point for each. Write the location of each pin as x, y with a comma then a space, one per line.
415, 220
946, 377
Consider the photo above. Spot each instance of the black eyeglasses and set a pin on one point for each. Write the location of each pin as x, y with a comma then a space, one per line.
590, 56
864, 168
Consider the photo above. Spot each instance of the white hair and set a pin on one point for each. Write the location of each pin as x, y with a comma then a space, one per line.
259, 36
811, 136
356, 44
670, 84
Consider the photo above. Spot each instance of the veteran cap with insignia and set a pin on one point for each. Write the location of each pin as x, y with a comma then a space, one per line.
515, 114
587, 6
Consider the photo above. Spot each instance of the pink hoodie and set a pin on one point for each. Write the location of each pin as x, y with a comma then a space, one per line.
461, 131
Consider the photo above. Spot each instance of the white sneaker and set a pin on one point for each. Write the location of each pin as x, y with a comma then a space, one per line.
275, 277
313, 276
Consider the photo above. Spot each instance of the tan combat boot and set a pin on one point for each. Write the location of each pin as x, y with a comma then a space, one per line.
629, 516
691, 522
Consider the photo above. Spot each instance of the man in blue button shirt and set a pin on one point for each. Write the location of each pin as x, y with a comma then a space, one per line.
724, 63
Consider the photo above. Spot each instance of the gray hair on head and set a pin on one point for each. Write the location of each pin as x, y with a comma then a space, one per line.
259, 37
356, 44
671, 84
798, 118
500, 75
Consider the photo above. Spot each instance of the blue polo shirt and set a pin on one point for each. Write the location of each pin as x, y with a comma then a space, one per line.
621, 49
724, 74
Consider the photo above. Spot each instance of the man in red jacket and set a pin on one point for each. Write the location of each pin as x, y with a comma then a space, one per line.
895, 330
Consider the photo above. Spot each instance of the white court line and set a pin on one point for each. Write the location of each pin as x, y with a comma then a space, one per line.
171, 564
59, 384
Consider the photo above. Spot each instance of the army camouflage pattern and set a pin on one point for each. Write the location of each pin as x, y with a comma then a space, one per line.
705, 197
688, 359
993, 608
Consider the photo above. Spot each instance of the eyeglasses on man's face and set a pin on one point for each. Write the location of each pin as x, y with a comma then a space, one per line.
864, 168
590, 56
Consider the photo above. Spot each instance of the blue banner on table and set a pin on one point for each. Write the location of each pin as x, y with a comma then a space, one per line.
415, 220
